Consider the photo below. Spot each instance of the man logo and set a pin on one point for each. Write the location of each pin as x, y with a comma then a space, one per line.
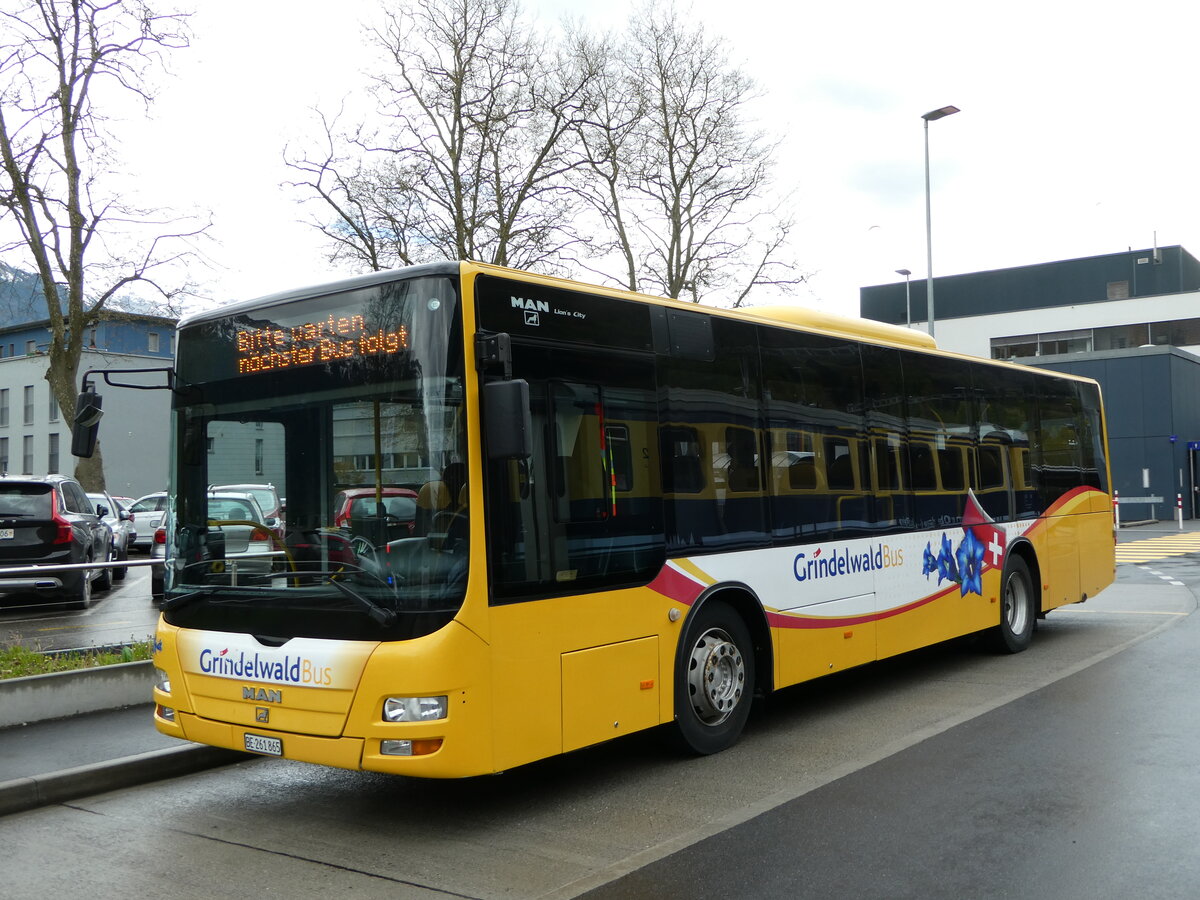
262, 714
262, 695
534, 305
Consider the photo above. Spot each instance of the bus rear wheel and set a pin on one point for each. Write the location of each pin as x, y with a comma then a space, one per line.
714, 679
1017, 608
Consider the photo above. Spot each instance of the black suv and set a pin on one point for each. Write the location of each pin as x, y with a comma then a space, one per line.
46, 521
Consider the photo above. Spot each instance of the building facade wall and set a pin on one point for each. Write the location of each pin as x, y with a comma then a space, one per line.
134, 433
974, 334
1152, 407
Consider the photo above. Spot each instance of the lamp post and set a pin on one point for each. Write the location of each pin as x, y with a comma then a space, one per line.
931, 117
907, 296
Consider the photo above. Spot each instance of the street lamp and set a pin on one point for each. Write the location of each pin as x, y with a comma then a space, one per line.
931, 117
907, 297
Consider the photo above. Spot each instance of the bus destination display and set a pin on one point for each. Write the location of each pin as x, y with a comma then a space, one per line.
334, 338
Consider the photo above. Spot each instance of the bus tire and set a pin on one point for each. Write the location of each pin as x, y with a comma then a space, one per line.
714, 679
1018, 608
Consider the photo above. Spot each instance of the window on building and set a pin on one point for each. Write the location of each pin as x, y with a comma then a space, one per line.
3, 456
3, 406
29, 404
27, 454
1014, 347
52, 456
30, 347
1120, 337
53, 411
1185, 333
258, 456
1065, 342
152, 341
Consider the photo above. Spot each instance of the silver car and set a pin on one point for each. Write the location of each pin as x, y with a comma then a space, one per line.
120, 522
250, 546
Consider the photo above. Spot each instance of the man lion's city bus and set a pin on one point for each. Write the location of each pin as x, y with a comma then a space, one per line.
523, 516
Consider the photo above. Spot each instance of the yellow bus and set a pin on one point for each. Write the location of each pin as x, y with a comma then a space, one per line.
589, 512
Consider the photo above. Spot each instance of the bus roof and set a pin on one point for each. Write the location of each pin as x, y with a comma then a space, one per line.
849, 327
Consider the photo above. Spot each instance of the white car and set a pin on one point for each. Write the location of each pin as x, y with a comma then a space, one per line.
147, 515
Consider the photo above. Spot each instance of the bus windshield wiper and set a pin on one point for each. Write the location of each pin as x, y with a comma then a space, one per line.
385, 617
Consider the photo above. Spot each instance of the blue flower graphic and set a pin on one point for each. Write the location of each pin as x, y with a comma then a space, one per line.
947, 570
929, 562
970, 564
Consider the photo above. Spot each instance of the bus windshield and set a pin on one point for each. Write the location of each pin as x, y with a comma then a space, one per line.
319, 465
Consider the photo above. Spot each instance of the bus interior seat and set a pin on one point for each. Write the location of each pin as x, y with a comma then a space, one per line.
433, 497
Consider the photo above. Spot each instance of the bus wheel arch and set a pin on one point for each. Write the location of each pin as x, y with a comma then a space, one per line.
722, 661
1020, 601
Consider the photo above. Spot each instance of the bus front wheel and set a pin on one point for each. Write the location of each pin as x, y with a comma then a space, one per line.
714, 679
1018, 608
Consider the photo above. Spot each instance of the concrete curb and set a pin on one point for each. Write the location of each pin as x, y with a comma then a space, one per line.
36, 698
21, 794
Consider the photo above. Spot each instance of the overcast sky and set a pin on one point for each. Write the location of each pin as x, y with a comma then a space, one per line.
1077, 134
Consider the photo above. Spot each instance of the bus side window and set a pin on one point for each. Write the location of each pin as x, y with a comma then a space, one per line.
802, 474
620, 456
740, 445
887, 423
839, 465
920, 461
683, 470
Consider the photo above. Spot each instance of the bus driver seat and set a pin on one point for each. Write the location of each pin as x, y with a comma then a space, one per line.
433, 497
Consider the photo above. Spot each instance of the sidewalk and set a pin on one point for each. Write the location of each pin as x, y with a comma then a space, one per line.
1133, 531
63, 759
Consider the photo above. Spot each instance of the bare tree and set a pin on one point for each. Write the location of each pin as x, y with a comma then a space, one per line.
675, 173
472, 160
86, 245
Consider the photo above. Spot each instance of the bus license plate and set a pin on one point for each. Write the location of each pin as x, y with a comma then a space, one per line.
7, 534
256, 743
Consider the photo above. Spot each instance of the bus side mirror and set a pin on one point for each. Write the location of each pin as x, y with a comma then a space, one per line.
507, 423
86, 425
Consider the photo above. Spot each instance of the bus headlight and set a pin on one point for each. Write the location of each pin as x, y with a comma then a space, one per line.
162, 681
415, 709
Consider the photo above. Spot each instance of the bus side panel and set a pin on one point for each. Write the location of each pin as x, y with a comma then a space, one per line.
609, 691
805, 653
932, 622
1058, 556
544, 685
1097, 549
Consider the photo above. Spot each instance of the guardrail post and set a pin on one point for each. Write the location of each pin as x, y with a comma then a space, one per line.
1179, 510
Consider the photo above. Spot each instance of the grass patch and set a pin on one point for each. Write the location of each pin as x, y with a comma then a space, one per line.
17, 662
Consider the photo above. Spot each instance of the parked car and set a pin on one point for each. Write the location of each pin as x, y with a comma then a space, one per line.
49, 520
158, 550
120, 522
264, 494
250, 543
147, 514
357, 510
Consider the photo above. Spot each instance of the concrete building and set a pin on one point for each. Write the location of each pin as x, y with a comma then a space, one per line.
35, 438
1130, 320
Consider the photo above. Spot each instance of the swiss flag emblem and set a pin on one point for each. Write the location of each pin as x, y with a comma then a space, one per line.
993, 538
